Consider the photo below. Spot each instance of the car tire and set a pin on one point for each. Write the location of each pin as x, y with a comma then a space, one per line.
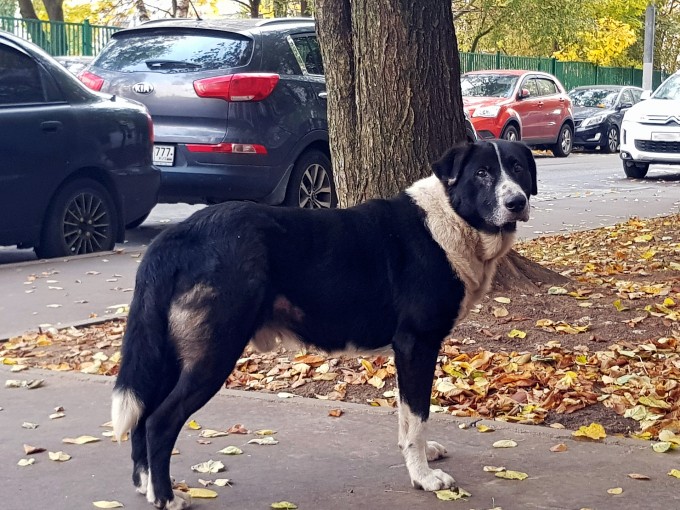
564, 146
635, 170
511, 134
311, 184
134, 224
610, 144
76, 207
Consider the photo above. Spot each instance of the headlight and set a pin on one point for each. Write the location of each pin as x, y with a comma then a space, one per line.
594, 120
487, 111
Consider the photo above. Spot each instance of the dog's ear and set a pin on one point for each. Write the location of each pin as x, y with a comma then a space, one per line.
531, 163
448, 167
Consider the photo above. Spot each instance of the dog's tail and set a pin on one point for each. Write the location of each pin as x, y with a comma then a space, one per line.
149, 363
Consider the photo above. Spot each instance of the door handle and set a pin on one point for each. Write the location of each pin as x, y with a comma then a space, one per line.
50, 126
323, 95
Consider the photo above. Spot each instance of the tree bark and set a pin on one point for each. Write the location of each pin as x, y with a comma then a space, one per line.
55, 9
182, 8
394, 102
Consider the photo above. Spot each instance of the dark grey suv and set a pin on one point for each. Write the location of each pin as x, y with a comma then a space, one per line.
239, 107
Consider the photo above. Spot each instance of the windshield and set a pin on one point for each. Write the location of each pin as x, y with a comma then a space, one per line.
594, 98
488, 85
172, 51
670, 89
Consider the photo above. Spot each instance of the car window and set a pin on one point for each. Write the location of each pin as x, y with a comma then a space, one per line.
532, 87
310, 52
593, 97
546, 87
169, 51
670, 89
626, 97
20, 78
488, 85
636, 95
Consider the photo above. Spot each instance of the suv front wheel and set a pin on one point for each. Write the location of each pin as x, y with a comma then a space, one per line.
635, 170
311, 183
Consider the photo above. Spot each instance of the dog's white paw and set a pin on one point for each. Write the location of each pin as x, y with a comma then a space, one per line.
181, 501
434, 451
434, 480
143, 482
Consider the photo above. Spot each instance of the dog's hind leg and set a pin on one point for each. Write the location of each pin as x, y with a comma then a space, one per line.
415, 358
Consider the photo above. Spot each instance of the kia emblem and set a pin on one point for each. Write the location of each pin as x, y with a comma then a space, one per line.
142, 88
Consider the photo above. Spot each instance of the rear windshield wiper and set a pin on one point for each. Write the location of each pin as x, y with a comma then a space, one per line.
170, 64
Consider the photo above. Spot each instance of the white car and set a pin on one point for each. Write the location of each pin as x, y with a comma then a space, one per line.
650, 131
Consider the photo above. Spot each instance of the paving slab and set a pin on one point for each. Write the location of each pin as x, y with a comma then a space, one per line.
321, 462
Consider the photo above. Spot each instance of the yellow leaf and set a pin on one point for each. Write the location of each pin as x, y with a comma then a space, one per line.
644, 238
593, 431
199, 492
615, 490
667, 435
265, 432
108, 504
285, 505
662, 446
556, 291
512, 475
505, 443
80, 440
26, 462
452, 494
517, 333
484, 428
654, 402
193, 425
231, 450
500, 311
669, 302
619, 306
674, 472
503, 300
59, 456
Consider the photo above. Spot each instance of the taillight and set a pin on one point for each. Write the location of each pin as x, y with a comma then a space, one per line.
237, 87
90, 80
150, 123
228, 148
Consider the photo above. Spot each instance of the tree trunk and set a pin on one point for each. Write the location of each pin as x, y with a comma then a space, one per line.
183, 8
55, 9
37, 34
304, 8
142, 11
394, 102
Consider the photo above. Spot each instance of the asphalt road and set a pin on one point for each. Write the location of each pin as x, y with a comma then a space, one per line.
579, 192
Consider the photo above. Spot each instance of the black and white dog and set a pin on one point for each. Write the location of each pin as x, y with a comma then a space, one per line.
399, 272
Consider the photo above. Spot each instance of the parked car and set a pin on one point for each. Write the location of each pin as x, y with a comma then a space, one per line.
239, 107
598, 112
650, 131
74, 64
520, 105
75, 165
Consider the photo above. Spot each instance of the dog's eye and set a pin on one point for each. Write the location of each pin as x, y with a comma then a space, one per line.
482, 172
517, 168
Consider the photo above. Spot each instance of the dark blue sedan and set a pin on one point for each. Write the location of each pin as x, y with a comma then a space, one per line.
75, 165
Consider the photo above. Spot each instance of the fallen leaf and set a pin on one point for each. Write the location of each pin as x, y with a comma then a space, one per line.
504, 443
210, 466
80, 440
265, 432
452, 494
29, 450
29, 425
517, 333
662, 446
561, 447
268, 440
56, 416
193, 425
594, 431
231, 450
674, 472
336, 413
198, 492
615, 491
285, 505
222, 482
493, 469
26, 462
500, 311
211, 433
638, 476
512, 475
59, 456
484, 428
238, 429
107, 504
502, 299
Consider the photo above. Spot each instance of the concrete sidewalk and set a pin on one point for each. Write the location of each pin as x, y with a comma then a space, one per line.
320, 462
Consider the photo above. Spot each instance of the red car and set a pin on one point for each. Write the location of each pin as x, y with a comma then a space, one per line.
520, 105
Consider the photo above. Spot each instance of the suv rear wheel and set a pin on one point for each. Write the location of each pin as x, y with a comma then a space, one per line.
81, 218
563, 146
635, 170
311, 183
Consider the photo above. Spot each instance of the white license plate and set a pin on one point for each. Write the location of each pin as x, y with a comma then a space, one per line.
666, 137
164, 155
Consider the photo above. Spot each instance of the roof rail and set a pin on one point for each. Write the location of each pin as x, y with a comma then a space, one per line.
273, 21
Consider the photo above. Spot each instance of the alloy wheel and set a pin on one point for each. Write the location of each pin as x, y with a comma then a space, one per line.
566, 140
315, 188
613, 140
86, 224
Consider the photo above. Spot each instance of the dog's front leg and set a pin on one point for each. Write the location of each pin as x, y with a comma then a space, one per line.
415, 360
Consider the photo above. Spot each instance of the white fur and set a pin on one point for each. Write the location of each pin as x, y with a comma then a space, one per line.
126, 410
473, 254
417, 451
150, 494
506, 188
143, 482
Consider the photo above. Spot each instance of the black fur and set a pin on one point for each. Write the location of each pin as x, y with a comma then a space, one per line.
370, 276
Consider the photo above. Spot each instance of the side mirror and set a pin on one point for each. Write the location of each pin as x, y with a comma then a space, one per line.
646, 94
623, 106
523, 94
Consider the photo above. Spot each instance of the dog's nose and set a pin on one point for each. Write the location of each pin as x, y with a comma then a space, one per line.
516, 203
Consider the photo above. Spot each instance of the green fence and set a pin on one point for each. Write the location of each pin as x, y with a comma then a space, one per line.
58, 37
571, 74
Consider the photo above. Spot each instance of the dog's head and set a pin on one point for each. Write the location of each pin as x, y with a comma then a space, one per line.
489, 183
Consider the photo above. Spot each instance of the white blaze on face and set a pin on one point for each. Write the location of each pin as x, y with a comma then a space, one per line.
507, 188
